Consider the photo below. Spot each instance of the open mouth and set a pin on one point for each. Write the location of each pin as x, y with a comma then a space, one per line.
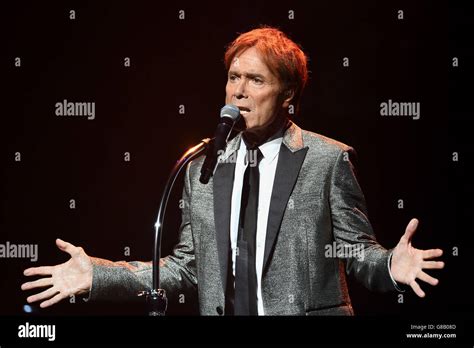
244, 110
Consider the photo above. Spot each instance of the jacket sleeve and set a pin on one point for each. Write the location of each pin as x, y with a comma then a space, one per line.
364, 257
123, 280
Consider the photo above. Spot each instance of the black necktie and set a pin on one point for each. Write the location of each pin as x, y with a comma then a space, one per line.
245, 273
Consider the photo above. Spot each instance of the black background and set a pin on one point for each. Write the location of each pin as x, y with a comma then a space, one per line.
180, 62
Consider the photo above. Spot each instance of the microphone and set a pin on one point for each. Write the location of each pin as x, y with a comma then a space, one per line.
229, 115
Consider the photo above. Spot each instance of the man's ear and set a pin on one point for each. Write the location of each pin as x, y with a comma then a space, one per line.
288, 97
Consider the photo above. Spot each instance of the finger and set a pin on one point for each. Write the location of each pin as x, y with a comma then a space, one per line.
416, 288
432, 265
37, 283
427, 278
66, 247
42, 295
43, 270
410, 230
432, 253
52, 300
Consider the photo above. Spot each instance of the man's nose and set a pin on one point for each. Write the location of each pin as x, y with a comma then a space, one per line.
240, 89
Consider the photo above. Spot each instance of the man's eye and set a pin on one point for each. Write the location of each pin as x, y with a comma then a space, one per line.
232, 78
257, 81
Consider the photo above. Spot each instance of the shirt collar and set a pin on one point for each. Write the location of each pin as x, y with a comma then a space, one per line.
269, 149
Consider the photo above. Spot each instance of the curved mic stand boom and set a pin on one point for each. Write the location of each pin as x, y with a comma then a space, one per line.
156, 297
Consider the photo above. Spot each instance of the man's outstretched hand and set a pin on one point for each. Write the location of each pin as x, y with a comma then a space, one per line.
73, 277
408, 262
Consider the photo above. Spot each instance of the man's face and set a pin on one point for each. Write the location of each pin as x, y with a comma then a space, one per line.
253, 88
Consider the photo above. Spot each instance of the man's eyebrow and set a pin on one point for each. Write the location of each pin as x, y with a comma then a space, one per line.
249, 75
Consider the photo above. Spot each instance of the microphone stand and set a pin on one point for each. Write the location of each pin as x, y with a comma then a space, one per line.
156, 297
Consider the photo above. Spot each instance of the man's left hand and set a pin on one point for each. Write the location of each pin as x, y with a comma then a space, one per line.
408, 262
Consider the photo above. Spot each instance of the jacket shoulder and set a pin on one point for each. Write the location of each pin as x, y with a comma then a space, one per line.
325, 144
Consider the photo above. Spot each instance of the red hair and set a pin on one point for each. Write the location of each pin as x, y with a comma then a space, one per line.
283, 57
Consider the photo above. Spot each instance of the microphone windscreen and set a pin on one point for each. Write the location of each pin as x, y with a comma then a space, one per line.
231, 111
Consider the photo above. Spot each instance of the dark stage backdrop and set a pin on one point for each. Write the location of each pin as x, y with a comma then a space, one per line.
154, 73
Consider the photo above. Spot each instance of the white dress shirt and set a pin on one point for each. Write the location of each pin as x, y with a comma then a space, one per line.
267, 169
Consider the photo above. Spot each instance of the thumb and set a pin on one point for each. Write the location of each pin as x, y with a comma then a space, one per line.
65, 246
410, 230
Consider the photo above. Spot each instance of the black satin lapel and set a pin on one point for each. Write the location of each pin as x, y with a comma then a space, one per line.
287, 170
222, 189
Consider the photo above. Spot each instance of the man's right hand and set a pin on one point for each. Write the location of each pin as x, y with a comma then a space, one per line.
73, 277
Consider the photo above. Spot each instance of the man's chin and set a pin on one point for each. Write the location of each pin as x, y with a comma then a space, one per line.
251, 127
258, 128
256, 135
